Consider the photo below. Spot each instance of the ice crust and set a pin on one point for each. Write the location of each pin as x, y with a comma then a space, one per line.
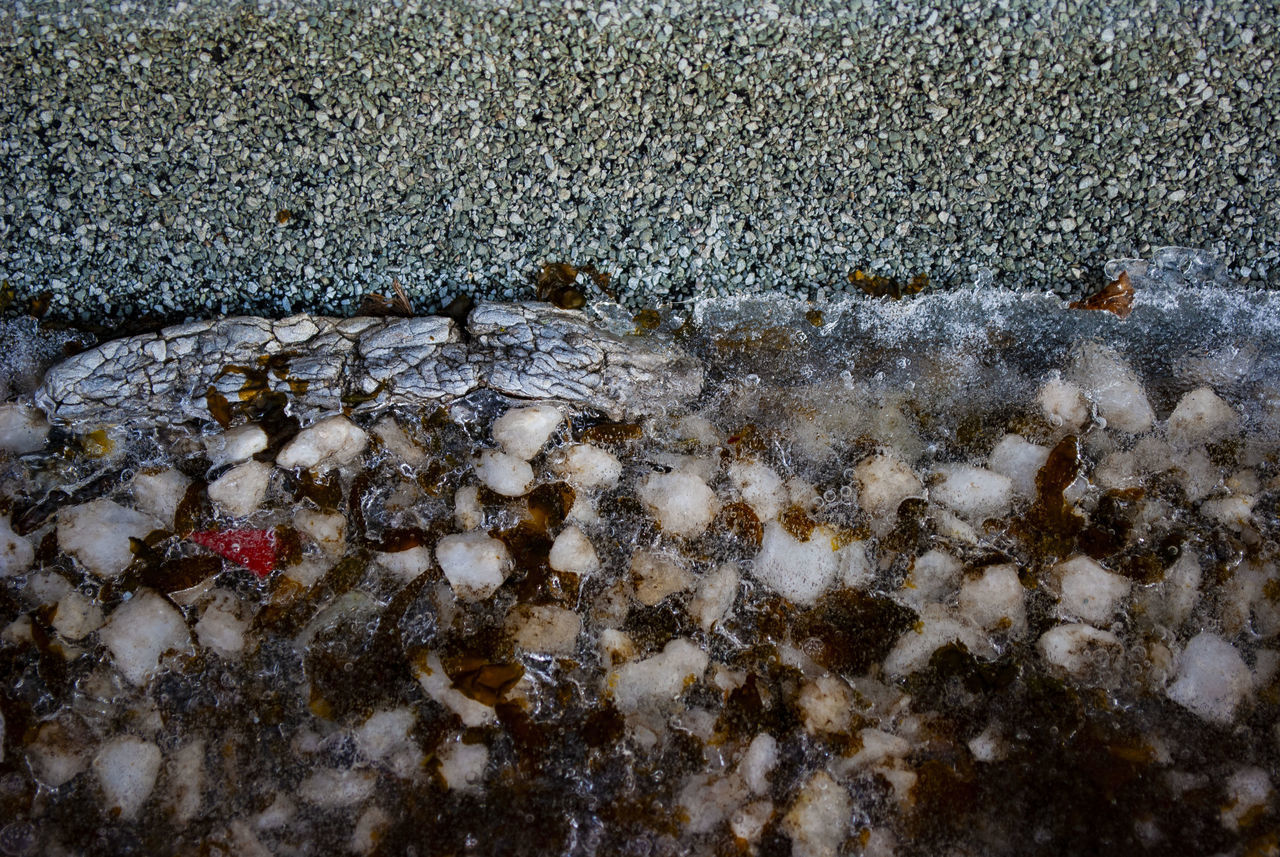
898, 570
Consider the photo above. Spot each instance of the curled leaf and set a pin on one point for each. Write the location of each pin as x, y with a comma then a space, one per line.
1115, 297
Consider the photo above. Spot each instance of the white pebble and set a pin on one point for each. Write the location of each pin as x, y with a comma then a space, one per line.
22, 429
221, 627
995, 600
587, 466
972, 492
504, 474
826, 704
369, 830
474, 564
657, 679
657, 575
126, 768
885, 481
748, 822
681, 502
760, 486
16, 552
1079, 649
435, 682
819, 819
523, 432
468, 513
333, 788
1212, 679
140, 632
76, 617
1020, 460
758, 762
332, 441
398, 442
408, 564
1063, 404
462, 765
60, 751
877, 748
545, 628
1200, 416
1088, 591
1235, 511
936, 628
159, 492
326, 529
934, 577
1248, 791
802, 571
717, 590
572, 552
97, 534
240, 491
236, 444
1114, 390
387, 738
185, 777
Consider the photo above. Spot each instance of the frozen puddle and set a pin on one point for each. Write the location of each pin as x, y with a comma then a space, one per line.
973, 574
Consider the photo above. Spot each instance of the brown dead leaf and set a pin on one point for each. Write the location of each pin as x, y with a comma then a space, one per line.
1116, 297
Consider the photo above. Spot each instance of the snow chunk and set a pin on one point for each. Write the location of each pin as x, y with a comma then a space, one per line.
572, 552
936, 628
159, 493
1063, 403
1089, 591
475, 564
715, 596
1114, 389
801, 571
333, 440
462, 765
760, 486
1078, 648
139, 633
235, 445
587, 466
97, 533
16, 552
974, 492
1212, 678
1200, 416
523, 432
819, 820
545, 628
682, 503
23, 429
1020, 460
76, 617
240, 491
504, 474
126, 768
659, 678
220, 627
995, 600
658, 575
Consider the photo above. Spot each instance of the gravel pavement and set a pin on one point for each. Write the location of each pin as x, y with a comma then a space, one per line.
205, 158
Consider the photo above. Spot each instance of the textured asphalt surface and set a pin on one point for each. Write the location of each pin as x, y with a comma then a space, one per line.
206, 158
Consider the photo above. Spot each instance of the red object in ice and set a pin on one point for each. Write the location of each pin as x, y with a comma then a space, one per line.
254, 549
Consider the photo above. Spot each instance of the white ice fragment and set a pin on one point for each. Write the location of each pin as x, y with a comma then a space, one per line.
760, 486
240, 491
333, 788
23, 429
802, 571
1212, 678
221, 627
16, 552
140, 631
474, 564
826, 704
504, 474
572, 552
681, 502
934, 577
1020, 460
587, 466
885, 481
1079, 649
758, 762
326, 529
936, 628
1114, 389
994, 600
819, 819
523, 432
467, 510
429, 672
126, 768
657, 575
398, 442
1088, 591
97, 534
331, 441
1248, 792
462, 765
544, 628
659, 678
185, 777
973, 492
76, 616
235, 444
1063, 403
717, 590
408, 564
159, 492
1200, 416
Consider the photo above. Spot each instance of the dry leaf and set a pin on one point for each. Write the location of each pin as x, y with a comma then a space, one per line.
1116, 297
